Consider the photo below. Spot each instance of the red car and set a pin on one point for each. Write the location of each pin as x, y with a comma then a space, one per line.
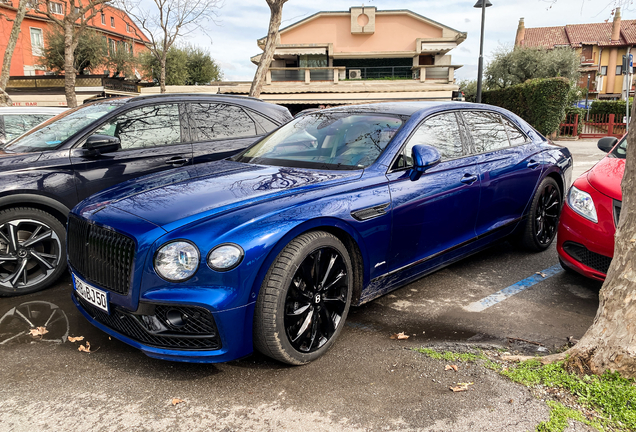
585, 240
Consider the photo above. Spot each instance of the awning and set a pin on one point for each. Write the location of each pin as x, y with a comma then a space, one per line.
437, 46
300, 51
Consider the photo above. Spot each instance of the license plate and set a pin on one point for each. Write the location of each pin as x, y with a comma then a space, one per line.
94, 296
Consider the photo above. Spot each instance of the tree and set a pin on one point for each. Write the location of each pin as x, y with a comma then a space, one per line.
515, 66
5, 100
469, 87
122, 59
276, 15
170, 20
90, 52
201, 67
73, 25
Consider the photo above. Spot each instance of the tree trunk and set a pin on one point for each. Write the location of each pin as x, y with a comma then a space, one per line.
70, 43
276, 8
162, 74
5, 100
610, 343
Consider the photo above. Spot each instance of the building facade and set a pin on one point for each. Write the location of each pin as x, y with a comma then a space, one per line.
113, 24
360, 55
601, 47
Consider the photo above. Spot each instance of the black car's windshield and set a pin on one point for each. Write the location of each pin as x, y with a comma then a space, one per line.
620, 151
329, 140
52, 133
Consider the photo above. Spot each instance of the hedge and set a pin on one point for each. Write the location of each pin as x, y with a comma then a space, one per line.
608, 107
540, 102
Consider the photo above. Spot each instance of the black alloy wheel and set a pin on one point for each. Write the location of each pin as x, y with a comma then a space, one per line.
304, 299
543, 219
32, 252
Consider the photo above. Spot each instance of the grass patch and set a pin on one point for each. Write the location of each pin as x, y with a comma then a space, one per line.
451, 356
609, 395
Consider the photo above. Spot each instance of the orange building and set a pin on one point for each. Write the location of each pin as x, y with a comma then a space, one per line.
112, 23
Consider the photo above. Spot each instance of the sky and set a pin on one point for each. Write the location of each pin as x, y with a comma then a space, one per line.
232, 40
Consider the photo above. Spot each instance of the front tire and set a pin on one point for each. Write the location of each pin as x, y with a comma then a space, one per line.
543, 218
32, 250
304, 299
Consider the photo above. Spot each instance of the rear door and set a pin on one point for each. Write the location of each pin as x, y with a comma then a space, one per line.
152, 139
510, 166
220, 130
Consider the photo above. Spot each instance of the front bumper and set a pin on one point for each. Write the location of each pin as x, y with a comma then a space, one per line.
591, 245
230, 340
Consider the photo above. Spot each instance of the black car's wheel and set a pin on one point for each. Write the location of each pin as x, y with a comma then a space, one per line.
543, 218
32, 254
304, 299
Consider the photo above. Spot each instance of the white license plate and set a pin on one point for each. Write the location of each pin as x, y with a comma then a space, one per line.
94, 296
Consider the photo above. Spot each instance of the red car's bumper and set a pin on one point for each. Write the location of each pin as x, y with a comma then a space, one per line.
585, 246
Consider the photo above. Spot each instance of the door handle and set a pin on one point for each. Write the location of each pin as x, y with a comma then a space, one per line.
177, 161
533, 164
469, 179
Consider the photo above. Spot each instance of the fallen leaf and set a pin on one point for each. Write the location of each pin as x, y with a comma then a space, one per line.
542, 274
75, 339
451, 367
461, 387
86, 348
38, 331
399, 336
176, 401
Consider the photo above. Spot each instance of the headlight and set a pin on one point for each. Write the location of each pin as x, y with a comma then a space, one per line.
177, 261
582, 203
225, 257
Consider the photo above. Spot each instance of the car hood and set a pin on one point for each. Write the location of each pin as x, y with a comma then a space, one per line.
606, 177
207, 189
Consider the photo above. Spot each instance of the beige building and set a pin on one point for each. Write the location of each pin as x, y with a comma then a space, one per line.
600, 45
360, 55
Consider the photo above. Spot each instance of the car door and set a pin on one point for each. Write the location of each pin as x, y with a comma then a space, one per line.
509, 173
438, 211
152, 139
220, 130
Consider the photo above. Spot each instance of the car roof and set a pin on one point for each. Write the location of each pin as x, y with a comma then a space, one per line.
32, 110
411, 107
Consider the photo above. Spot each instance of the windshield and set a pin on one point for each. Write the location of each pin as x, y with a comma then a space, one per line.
52, 133
620, 151
327, 140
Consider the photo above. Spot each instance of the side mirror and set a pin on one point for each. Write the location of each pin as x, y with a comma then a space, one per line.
607, 143
98, 144
424, 157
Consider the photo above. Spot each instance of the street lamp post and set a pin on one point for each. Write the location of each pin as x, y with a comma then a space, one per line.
482, 4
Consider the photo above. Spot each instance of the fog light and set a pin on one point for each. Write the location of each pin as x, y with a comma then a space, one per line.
176, 318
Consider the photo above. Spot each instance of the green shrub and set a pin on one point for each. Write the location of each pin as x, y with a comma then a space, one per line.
608, 107
541, 102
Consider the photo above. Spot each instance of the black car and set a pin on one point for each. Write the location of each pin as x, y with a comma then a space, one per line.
47, 171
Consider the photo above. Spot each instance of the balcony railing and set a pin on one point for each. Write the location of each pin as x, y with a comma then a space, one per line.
444, 74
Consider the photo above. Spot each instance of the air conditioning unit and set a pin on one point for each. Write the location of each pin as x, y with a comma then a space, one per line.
355, 74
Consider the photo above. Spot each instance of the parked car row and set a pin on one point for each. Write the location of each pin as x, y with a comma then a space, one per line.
268, 249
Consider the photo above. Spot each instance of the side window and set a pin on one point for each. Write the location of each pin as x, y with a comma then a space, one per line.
145, 127
216, 121
441, 132
263, 122
514, 134
487, 130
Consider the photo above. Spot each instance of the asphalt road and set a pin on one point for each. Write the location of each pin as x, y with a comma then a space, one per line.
368, 381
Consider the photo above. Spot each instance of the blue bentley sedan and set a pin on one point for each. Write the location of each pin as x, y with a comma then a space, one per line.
269, 249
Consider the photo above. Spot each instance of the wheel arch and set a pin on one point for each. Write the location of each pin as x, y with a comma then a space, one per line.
41, 202
342, 231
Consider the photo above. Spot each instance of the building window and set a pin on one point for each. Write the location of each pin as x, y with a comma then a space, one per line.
127, 28
77, 10
603, 70
112, 46
619, 70
103, 19
37, 42
56, 8
112, 21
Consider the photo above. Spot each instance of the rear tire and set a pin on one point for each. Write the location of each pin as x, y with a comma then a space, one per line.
32, 250
543, 219
304, 299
